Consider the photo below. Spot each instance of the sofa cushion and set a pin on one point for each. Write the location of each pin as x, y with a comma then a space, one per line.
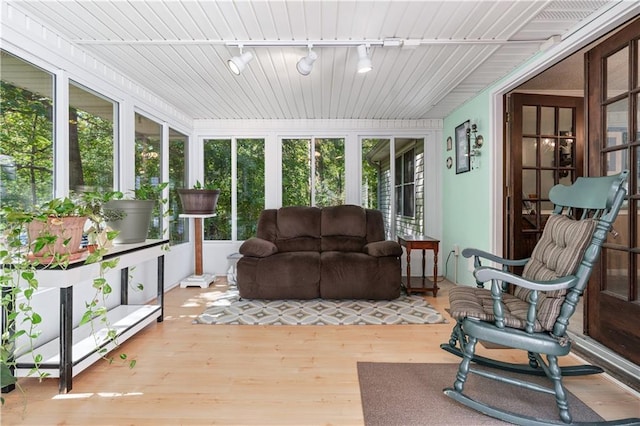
257, 247
298, 229
343, 228
359, 276
383, 248
292, 275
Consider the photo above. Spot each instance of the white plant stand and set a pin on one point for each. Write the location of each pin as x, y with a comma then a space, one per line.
199, 278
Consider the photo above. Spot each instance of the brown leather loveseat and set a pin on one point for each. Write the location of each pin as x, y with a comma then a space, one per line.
337, 252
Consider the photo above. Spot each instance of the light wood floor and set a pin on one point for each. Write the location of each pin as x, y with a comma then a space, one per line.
190, 374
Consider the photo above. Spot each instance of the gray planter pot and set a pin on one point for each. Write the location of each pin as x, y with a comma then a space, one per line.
134, 226
198, 201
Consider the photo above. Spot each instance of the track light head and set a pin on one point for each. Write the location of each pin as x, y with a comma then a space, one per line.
238, 63
364, 62
305, 64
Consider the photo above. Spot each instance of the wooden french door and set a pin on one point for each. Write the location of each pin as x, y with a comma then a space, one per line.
613, 85
545, 148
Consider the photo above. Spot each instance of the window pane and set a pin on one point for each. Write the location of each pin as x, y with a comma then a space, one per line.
250, 186
616, 122
547, 152
565, 121
547, 121
617, 66
529, 187
26, 133
296, 172
616, 161
529, 115
617, 273
217, 174
529, 152
147, 162
91, 140
547, 180
376, 178
329, 172
178, 227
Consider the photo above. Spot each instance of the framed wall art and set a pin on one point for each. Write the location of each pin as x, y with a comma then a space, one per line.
463, 163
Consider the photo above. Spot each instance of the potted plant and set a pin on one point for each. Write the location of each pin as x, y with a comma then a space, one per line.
43, 237
131, 216
199, 199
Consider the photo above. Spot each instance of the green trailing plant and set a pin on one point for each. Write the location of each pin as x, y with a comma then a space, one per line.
19, 283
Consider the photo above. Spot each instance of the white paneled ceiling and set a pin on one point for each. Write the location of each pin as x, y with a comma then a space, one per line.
444, 52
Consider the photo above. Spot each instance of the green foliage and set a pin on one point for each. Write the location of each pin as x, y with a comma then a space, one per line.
20, 284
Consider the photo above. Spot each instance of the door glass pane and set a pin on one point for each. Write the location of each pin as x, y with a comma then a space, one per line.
547, 180
91, 140
250, 186
565, 152
547, 121
617, 276
26, 132
565, 121
616, 161
547, 152
178, 227
638, 116
616, 122
529, 152
565, 177
637, 177
329, 172
217, 174
621, 227
529, 120
617, 68
529, 186
296, 172
148, 158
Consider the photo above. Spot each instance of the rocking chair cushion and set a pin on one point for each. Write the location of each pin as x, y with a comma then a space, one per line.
477, 303
557, 254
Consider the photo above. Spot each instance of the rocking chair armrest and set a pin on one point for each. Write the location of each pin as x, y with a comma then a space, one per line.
468, 252
485, 273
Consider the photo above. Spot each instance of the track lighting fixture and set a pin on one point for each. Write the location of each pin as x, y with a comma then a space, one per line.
364, 63
305, 64
238, 63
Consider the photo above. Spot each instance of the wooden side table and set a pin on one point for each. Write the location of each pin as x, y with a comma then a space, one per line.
421, 242
198, 278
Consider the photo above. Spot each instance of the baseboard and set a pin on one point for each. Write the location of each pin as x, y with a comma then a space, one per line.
620, 368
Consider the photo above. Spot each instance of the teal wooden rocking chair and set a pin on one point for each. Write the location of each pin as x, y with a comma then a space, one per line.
534, 317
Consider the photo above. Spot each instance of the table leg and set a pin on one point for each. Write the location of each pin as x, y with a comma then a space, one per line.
435, 271
161, 287
408, 270
6, 293
66, 340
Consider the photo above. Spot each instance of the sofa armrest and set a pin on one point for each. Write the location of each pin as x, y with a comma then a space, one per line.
383, 248
257, 247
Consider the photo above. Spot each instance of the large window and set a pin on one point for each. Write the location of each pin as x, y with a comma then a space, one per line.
245, 197
26, 133
178, 143
313, 172
91, 140
147, 163
250, 186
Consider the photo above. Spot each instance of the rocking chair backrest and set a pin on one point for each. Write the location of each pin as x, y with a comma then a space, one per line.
571, 247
